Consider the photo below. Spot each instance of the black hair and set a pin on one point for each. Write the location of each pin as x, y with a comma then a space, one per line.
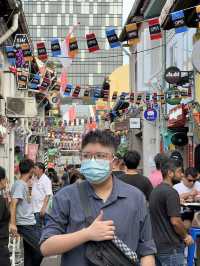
25, 166
191, 171
159, 159
103, 137
132, 159
41, 166
2, 173
176, 155
168, 165
52, 174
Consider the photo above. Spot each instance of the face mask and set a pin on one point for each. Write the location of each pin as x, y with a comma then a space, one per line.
95, 171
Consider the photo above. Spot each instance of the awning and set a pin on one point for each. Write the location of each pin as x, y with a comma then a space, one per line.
176, 5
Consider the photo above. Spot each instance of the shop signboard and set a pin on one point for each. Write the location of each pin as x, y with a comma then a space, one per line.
122, 125
150, 115
32, 150
135, 123
173, 75
177, 117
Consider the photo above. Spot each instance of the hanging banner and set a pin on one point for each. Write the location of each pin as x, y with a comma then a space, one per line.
132, 34
55, 47
73, 47
112, 38
32, 151
22, 80
92, 42
10, 51
68, 90
155, 29
21, 41
42, 52
198, 15
76, 91
19, 58
35, 82
114, 97
178, 19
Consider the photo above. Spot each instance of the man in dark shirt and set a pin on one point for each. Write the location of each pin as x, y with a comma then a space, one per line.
132, 177
168, 229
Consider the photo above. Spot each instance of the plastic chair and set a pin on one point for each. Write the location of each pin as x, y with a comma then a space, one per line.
194, 232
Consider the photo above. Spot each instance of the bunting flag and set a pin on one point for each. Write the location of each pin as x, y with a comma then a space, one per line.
139, 99
92, 42
132, 34
63, 80
86, 93
55, 47
73, 47
114, 97
35, 82
19, 58
42, 52
10, 51
147, 98
45, 84
97, 92
27, 53
155, 98
155, 29
68, 89
22, 79
76, 91
198, 15
112, 38
162, 98
178, 19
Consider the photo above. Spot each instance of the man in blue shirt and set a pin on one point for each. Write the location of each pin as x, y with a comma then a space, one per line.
119, 208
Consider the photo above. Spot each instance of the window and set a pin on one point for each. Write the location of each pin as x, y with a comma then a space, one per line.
46, 7
34, 19
58, 19
85, 8
91, 22
38, 7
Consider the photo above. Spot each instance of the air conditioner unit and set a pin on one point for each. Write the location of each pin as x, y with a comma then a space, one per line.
21, 107
2, 107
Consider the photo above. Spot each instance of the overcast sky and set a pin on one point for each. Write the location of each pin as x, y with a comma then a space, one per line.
128, 4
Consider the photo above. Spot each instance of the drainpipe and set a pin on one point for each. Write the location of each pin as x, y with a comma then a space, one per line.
13, 28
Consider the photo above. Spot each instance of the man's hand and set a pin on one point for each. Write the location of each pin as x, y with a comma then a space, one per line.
194, 193
13, 230
42, 212
101, 230
188, 240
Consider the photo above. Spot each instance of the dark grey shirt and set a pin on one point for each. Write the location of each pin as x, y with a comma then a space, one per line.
126, 206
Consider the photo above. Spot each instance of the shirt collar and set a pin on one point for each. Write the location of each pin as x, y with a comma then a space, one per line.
119, 189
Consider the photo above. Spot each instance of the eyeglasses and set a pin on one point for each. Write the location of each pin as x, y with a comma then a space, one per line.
191, 181
96, 156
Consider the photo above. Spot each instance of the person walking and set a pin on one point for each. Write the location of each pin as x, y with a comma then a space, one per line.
110, 199
41, 193
22, 217
169, 231
4, 221
133, 177
156, 175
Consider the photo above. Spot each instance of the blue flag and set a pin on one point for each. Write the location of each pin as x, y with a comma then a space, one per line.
112, 38
55, 47
10, 51
178, 19
35, 82
68, 90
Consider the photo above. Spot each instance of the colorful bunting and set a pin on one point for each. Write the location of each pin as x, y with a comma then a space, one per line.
178, 19
155, 29
132, 97
42, 52
132, 34
92, 42
76, 91
73, 47
10, 51
97, 93
45, 84
35, 82
55, 47
112, 38
22, 79
68, 89
139, 99
19, 58
86, 93
114, 97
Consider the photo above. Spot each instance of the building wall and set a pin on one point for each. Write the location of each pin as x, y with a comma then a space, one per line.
47, 19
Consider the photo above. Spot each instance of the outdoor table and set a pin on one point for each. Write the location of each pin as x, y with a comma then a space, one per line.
191, 205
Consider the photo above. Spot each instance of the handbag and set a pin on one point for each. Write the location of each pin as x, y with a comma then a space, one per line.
105, 253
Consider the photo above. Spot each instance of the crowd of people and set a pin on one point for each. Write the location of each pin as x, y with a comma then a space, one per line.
144, 213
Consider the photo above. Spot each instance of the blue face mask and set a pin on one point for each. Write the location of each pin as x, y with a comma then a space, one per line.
95, 171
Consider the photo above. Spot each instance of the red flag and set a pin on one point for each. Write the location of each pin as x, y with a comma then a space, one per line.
155, 29
72, 113
63, 80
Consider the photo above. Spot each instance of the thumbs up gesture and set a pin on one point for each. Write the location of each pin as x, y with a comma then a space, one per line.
101, 230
